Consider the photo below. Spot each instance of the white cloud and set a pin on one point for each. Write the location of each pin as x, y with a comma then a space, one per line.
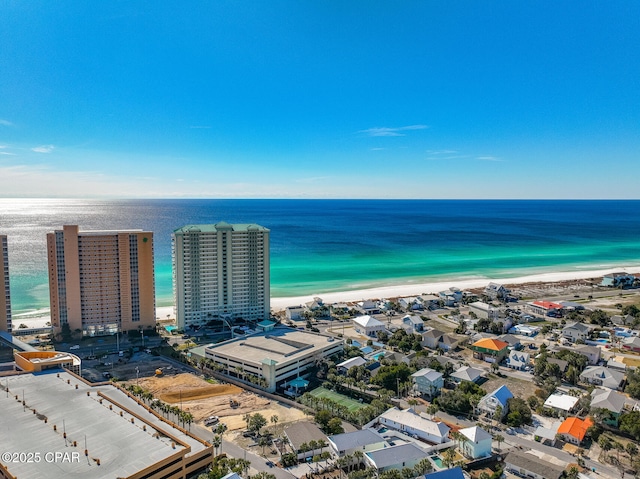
7, 153
43, 149
387, 131
5, 122
488, 158
377, 149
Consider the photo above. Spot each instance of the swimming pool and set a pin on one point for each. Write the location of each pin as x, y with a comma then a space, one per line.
602, 341
437, 460
377, 356
170, 328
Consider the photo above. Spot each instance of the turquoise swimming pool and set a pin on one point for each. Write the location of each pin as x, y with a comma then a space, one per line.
437, 460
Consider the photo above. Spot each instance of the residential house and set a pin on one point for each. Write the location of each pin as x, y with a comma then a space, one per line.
410, 304
415, 322
367, 325
416, 425
545, 308
429, 301
632, 344
618, 280
466, 373
602, 376
431, 339
448, 298
611, 401
620, 320
561, 403
513, 341
395, 457
518, 360
363, 440
476, 442
528, 465
574, 429
617, 363
368, 307
490, 403
449, 342
344, 366
428, 382
490, 350
592, 353
300, 434
315, 304
575, 331
524, 330
562, 364
496, 291
294, 313
483, 310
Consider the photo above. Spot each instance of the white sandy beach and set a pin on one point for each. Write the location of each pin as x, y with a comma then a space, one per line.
41, 317
428, 288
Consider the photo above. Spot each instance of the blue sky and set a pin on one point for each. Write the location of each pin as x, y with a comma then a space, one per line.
407, 99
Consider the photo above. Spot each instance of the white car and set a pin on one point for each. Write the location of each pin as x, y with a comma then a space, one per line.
75, 346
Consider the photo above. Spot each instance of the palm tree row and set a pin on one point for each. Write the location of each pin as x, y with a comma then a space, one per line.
183, 417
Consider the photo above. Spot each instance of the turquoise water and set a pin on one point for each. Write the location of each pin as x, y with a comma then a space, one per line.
378, 356
437, 460
322, 246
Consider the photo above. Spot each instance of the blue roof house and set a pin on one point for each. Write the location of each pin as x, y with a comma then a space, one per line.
489, 403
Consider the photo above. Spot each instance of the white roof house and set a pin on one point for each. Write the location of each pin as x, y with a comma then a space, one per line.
409, 422
367, 325
477, 442
561, 402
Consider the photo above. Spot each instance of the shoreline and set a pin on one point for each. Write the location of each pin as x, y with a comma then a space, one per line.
41, 316
395, 291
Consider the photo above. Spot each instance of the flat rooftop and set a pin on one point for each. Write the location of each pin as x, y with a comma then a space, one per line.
280, 345
122, 447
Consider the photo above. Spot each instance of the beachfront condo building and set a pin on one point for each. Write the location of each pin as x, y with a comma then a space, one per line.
5, 297
220, 272
101, 282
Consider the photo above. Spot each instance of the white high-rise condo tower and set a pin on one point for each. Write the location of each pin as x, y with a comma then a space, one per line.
220, 271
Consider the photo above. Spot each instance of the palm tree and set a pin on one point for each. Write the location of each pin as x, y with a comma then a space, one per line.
358, 456
263, 441
217, 442
274, 420
221, 428
448, 457
499, 438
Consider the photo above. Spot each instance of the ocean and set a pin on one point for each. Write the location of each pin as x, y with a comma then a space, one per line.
339, 245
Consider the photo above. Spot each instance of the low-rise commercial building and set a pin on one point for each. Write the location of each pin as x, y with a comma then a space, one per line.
269, 359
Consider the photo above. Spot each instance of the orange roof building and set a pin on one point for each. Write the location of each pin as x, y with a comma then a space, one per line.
574, 429
491, 344
490, 347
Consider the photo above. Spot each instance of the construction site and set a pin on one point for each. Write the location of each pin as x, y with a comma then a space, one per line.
204, 399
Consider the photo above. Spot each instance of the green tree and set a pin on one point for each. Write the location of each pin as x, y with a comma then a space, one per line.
630, 423
519, 412
257, 422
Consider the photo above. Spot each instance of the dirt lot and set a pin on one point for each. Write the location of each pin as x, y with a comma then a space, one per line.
203, 399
